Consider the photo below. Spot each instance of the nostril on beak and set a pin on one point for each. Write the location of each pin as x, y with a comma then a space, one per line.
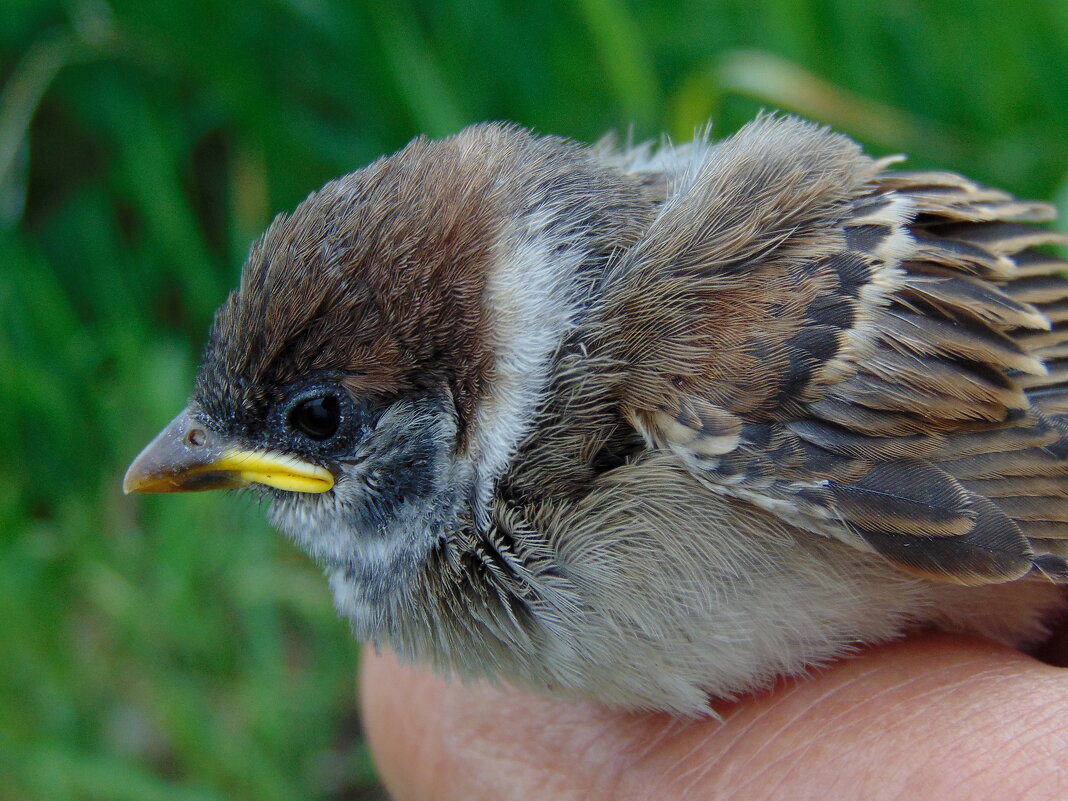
196, 437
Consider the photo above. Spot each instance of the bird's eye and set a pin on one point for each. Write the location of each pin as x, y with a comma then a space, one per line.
317, 418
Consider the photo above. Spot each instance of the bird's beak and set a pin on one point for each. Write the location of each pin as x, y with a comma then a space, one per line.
186, 456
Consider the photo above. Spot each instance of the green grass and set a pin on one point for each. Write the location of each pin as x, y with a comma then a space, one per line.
176, 648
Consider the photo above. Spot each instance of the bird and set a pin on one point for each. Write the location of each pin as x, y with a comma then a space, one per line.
648, 424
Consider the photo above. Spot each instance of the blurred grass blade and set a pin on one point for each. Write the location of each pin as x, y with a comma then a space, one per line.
625, 58
783, 84
25, 88
18, 102
415, 70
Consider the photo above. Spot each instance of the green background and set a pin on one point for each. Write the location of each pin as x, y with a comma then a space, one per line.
175, 647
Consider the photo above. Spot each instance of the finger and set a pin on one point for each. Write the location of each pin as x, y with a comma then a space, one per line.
933, 718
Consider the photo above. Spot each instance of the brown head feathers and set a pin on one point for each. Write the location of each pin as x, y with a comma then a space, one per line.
380, 276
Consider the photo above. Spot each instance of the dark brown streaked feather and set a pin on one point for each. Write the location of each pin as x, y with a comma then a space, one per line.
930, 336
993, 550
1030, 263
1007, 438
999, 237
1052, 400
969, 257
1035, 486
944, 204
841, 440
872, 422
945, 379
1056, 312
872, 392
998, 464
955, 294
1058, 372
1035, 341
906, 497
1035, 507
1038, 289
1043, 529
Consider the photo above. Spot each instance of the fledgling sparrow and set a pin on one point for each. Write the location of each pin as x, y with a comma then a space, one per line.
646, 426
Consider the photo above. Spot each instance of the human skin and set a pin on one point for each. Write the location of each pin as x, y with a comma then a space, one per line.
933, 717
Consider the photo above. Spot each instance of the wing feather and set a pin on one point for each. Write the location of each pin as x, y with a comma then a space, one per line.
879, 356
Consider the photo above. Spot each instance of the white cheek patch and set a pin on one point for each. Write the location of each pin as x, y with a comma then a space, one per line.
527, 298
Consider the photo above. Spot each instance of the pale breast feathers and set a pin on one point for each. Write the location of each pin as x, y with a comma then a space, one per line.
873, 354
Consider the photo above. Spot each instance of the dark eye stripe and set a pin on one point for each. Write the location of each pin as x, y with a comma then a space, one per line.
317, 418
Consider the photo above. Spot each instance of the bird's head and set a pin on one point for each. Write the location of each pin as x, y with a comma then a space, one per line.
389, 344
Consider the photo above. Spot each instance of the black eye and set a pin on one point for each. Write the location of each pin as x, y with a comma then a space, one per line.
317, 418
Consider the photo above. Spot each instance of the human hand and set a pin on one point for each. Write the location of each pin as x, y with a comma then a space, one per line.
935, 717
